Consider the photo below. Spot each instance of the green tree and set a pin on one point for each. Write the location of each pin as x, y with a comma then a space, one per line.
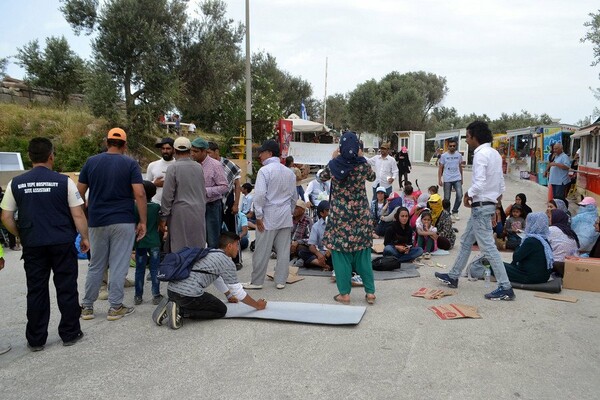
138, 44
211, 63
3, 65
57, 67
337, 111
364, 104
102, 94
593, 36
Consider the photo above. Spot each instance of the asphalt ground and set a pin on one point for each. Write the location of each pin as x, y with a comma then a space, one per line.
530, 348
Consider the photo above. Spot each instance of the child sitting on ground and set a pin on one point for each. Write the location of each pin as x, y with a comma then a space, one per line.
148, 246
514, 225
408, 199
426, 234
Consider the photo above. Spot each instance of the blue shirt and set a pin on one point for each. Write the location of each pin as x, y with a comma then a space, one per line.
109, 177
316, 235
559, 176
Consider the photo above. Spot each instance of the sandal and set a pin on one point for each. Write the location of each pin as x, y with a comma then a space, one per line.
337, 298
370, 298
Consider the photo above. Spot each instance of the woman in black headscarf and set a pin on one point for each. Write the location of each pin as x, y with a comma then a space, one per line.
520, 199
348, 230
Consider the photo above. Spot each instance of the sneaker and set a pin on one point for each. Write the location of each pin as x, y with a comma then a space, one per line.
118, 313
280, 286
239, 266
250, 285
103, 295
445, 278
137, 300
129, 283
160, 313
35, 348
74, 340
87, 313
157, 299
501, 294
174, 320
356, 280
455, 216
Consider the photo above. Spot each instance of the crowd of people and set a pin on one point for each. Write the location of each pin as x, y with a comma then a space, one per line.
193, 198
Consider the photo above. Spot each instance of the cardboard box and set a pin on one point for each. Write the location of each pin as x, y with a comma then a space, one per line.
582, 274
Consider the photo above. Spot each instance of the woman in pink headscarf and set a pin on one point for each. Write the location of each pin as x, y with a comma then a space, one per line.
403, 165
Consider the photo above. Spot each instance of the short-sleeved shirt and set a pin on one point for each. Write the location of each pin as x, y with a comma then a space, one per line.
242, 221
451, 163
152, 238
109, 177
559, 176
158, 169
10, 204
316, 235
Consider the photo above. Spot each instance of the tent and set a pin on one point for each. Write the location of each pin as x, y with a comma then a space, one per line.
303, 125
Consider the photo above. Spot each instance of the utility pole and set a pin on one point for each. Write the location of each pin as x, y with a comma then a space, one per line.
248, 94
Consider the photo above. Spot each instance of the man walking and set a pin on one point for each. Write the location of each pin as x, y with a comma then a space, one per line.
386, 169
50, 215
216, 186
559, 172
114, 180
450, 174
157, 169
486, 190
184, 200
274, 201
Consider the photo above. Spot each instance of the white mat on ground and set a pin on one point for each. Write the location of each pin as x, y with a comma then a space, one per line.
407, 271
309, 313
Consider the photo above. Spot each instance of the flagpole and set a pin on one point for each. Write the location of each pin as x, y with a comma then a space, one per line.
325, 101
248, 95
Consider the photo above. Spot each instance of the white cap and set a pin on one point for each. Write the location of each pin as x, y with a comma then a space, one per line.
182, 144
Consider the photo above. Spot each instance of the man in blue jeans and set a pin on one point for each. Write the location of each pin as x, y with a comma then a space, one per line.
450, 174
114, 182
487, 188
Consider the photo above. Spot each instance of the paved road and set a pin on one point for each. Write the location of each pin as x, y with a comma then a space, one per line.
527, 349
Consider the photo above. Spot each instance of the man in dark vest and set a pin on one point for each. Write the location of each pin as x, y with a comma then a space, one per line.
50, 215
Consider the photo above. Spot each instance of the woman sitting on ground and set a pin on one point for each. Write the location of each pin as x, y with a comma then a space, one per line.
521, 200
532, 260
562, 238
559, 204
388, 212
398, 238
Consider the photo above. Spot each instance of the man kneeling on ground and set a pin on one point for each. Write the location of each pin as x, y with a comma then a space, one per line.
188, 298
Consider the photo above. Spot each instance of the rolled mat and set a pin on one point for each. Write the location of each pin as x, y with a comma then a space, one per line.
553, 286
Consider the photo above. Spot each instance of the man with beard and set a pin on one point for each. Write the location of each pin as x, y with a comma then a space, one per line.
157, 169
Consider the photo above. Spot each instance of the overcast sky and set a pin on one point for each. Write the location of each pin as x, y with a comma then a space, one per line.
497, 55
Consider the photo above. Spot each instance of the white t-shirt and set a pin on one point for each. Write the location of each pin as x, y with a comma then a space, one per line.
157, 169
451, 163
191, 128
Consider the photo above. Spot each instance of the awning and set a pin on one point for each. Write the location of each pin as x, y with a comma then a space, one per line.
444, 136
521, 132
585, 131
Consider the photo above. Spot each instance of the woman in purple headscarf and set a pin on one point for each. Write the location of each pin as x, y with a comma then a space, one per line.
348, 229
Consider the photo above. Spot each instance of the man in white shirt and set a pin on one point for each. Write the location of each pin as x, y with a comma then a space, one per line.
157, 169
486, 190
386, 169
450, 174
274, 202
191, 128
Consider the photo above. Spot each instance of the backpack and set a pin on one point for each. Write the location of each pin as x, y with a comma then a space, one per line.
386, 263
177, 266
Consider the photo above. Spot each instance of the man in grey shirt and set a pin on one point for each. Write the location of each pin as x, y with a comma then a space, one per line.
450, 174
188, 298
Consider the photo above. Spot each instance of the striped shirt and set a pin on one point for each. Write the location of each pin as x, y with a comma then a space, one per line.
216, 264
214, 177
232, 173
275, 195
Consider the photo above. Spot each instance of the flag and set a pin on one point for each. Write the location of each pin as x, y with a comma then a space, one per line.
303, 114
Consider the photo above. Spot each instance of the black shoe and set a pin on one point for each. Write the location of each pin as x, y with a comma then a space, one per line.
239, 266
160, 313
252, 245
174, 320
501, 294
74, 340
35, 348
445, 278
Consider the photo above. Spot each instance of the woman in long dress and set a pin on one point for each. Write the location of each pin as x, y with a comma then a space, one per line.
348, 229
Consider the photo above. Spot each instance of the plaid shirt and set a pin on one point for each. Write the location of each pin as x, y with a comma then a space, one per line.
301, 230
232, 173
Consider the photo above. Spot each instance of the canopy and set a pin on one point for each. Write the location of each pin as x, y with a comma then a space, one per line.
303, 125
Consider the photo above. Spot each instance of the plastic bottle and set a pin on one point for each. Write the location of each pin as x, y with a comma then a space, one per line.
488, 273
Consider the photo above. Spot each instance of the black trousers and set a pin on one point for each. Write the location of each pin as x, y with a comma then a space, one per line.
206, 306
229, 218
61, 259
